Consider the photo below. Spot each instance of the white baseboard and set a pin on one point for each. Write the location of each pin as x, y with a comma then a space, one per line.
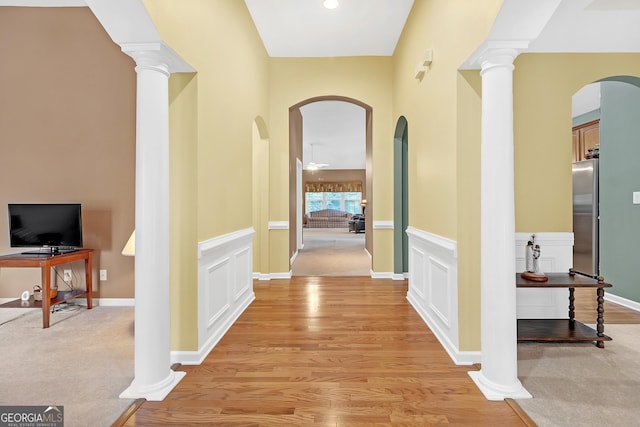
633, 305
381, 274
272, 276
197, 357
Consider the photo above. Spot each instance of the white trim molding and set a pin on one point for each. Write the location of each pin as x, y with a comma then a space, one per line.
633, 305
278, 225
433, 289
382, 225
225, 290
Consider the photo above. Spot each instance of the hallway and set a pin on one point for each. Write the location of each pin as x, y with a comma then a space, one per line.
327, 351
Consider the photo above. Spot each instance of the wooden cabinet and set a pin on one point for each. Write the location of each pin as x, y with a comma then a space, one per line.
585, 137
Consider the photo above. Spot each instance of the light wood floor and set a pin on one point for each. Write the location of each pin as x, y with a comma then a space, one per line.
336, 351
327, 351
586, 305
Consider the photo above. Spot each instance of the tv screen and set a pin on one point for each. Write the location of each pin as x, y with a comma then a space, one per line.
56, 225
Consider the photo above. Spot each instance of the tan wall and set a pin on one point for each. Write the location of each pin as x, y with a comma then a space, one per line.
366, 79
67, 134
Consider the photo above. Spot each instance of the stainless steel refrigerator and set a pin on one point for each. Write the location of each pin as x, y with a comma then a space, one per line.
586, 217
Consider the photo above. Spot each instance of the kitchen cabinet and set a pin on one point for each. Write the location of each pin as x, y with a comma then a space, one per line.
585, 137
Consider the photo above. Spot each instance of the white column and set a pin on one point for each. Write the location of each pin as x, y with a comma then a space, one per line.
154, 378
498, 377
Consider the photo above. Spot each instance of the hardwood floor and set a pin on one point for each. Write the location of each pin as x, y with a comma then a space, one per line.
327, 351
586, 305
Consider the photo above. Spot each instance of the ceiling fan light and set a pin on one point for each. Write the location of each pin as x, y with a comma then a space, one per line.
330, 4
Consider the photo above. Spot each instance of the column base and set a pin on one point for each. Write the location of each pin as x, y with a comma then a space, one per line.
493, 391
153, 392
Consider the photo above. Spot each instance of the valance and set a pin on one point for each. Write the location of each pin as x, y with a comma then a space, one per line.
330, 187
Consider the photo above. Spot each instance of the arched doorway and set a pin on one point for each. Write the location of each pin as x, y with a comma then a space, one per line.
295, 155
400, 198
605, 242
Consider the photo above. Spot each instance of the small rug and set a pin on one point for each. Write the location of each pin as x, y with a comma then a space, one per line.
578, 384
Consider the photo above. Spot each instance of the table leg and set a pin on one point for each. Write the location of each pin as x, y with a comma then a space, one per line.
572, 307
600, 325
46, 299
88, 265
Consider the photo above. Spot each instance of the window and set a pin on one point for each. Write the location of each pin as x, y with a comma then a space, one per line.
343, 201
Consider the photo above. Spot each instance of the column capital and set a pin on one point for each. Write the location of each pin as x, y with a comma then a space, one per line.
156, 56
496, 53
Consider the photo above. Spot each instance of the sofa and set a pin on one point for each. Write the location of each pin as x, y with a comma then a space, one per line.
327, 218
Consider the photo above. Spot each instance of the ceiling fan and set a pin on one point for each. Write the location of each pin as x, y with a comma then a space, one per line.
313, 166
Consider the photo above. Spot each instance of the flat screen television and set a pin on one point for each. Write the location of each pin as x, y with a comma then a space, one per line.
49, 228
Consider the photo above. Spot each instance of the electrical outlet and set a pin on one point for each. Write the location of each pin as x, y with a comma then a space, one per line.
103, 274
67, 276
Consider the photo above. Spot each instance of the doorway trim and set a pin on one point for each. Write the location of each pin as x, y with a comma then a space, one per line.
401, 198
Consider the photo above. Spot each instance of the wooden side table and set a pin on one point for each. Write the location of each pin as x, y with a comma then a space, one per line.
45, 262
564, 329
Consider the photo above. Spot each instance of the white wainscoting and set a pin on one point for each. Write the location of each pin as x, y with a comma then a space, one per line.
225, 290
433, 289
556, 256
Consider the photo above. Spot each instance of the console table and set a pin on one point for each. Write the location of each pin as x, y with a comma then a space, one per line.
564, 329
45, 261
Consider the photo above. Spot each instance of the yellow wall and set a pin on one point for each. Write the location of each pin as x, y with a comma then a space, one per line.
211, 136
183, 187
443, 115
367, 79
543, 87
219, 39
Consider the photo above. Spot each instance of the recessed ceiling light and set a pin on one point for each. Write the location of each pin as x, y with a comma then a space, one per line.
330, 4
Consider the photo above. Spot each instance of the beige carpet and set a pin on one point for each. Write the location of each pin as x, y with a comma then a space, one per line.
83, 361
576, 384
332, 252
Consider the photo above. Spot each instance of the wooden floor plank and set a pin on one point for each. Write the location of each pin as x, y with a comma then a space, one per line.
327, 351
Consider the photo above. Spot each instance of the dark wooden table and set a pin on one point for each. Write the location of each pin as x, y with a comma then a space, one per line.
564, 329
45, 262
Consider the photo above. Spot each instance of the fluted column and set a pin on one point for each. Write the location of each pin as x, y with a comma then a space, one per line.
498, 377
154, 378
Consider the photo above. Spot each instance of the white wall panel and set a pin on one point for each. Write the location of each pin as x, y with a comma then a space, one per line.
225, 290
433, 288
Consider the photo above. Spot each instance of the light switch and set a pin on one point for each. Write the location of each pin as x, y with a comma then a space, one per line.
636, 197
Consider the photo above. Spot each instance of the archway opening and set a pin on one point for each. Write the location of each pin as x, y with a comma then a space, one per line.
330, 137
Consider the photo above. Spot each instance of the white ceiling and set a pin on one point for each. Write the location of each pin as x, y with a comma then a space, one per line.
304, 28
334, 132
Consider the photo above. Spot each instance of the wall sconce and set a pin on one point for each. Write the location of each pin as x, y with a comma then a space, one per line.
363, 203
130, 248
424, 64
